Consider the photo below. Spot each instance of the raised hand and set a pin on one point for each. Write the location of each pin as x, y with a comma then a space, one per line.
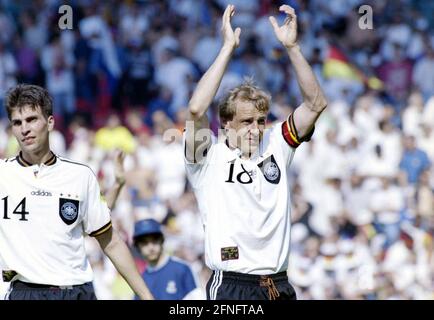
119, 167
231, 39
287, 33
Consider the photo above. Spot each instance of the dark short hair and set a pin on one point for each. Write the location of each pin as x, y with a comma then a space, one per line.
31, 95
157, 236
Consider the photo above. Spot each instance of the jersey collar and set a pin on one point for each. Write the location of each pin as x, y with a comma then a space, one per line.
25, 163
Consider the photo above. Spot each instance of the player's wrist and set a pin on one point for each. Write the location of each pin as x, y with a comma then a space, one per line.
292, 47
228, 48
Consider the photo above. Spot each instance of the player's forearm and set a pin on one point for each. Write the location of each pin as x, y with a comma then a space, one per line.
113, 194
119, 254
208, 85
312, 93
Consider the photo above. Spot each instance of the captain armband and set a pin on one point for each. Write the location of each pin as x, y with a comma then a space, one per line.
290, 134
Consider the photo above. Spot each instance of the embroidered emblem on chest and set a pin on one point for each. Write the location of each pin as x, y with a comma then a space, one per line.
270, 169
171, 287
68, 210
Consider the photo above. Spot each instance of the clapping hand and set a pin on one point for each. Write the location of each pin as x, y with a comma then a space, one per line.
231, 39
287, 33
119, 167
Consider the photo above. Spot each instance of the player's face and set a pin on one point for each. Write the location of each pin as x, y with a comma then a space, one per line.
31, 129
151, 247
247, 126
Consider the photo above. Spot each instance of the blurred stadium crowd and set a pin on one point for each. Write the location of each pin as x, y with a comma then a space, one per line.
363, 188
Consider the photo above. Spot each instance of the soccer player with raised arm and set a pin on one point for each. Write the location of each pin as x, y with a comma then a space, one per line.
47, 204
241, 180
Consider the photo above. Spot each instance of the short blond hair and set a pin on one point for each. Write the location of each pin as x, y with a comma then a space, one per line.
246, 92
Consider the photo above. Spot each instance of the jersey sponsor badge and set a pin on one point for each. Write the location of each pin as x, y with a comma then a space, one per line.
68, 210
270, 169
229, 253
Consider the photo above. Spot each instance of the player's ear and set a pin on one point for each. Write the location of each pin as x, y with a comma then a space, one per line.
50, 121
226, 125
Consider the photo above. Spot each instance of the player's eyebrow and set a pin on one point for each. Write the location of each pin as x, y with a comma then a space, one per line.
30, 118
27, 119
250, 119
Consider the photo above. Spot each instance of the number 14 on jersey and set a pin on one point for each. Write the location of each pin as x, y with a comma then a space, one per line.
20, 209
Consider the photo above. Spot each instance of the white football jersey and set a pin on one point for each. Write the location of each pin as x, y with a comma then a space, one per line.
245, 204
44, 212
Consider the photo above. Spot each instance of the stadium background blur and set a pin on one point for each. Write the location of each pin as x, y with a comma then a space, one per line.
363, 200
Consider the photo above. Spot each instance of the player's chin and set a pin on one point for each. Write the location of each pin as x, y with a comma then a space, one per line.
26, 148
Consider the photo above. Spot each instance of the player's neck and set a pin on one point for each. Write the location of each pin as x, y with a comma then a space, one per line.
247, 155
38, 157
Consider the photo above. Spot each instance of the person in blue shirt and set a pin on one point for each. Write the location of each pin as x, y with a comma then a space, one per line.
167, 277
414, 161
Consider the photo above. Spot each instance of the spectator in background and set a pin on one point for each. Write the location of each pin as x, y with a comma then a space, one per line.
140, 73
423, 74
387, 204
115, 135
180, 69
207, 47
133, 24
355, 202
28, 62
161, 102
8, 70
396, 74
58, 65
412, 116
425, 198
426, 139
85, 75
35, 34
6, 25
376, 164
103, 59
167, 277
414, 161
397, 35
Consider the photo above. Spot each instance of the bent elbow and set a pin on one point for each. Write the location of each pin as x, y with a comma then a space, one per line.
195, 111
320, 104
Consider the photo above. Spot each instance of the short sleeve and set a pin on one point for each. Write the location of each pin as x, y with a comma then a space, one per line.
96, 219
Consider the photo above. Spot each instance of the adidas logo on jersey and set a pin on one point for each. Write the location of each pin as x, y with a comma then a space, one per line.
41, 193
